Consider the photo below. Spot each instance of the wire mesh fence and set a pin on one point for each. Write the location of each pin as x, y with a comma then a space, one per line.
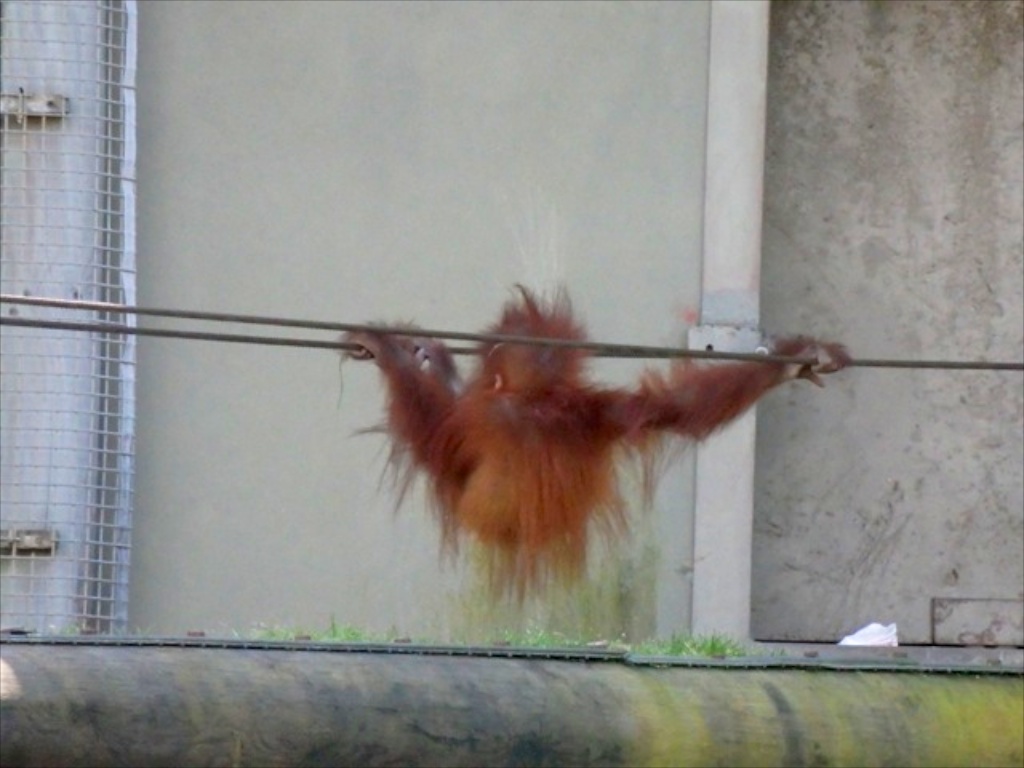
66, 229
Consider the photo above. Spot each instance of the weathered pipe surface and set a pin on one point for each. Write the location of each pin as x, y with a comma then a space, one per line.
65, 705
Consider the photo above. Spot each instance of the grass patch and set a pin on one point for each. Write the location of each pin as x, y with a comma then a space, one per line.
716, 646
538, 638
335, 633
691, 645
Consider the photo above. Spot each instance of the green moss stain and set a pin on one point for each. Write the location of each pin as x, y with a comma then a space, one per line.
975, 724
671, 726
814, 718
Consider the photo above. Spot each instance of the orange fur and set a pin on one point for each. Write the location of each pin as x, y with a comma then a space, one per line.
521, 456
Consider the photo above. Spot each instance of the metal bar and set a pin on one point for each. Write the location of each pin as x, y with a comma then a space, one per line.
601, 349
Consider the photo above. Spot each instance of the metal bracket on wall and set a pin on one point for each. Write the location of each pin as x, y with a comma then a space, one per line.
726, 338
21, 105
28, 542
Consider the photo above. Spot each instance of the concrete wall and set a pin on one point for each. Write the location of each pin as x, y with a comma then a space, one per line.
893, 221
372, 161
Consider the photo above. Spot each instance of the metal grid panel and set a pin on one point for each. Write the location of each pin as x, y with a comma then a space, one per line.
66, 230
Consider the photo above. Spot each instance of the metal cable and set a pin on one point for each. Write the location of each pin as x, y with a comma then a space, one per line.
600, 349
274, 341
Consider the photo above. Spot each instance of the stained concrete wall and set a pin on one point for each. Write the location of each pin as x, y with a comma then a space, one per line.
893, 221
378, 161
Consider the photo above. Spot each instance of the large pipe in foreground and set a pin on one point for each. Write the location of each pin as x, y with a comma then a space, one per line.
105, 705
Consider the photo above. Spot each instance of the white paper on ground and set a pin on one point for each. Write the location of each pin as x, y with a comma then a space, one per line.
872, 634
